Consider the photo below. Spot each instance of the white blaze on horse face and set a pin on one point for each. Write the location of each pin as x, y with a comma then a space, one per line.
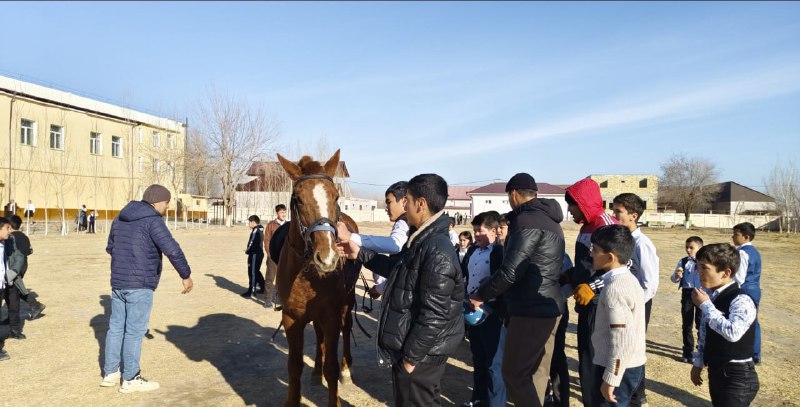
321, 196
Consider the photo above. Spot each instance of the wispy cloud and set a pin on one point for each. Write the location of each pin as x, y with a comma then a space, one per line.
698, 100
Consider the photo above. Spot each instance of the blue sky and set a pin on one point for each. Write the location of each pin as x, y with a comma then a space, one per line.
472, 91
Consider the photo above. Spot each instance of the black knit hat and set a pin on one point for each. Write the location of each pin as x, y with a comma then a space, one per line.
156, 193
521, 181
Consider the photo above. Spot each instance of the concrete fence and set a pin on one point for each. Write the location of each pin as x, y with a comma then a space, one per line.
704, 220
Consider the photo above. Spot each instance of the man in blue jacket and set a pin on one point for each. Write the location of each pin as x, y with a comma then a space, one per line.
137, 239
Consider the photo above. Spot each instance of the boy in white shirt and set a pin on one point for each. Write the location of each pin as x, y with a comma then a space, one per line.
392, 244
628, 208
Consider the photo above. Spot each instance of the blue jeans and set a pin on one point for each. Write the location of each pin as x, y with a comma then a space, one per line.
631, 379
130, 312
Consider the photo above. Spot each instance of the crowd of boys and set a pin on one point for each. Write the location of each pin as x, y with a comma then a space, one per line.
517, 275
516, 272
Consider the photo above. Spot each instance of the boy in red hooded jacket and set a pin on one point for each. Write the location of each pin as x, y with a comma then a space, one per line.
585, 204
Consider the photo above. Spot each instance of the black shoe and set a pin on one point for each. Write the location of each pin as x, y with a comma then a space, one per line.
246, 294
16, 335
36, 310
4, 355
277, 307
473, 403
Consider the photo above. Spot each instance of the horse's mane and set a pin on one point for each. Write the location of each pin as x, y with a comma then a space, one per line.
309, 166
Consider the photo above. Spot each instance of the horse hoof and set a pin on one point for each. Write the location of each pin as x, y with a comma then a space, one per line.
345, 378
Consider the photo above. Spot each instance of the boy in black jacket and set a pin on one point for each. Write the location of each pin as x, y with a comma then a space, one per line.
19, 243
255, 256
421, 322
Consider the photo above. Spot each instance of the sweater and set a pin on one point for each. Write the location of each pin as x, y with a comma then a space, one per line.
619, 331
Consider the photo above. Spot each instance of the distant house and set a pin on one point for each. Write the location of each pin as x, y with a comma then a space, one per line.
736, 199
644, 185
459, 201
267, 185
493, 197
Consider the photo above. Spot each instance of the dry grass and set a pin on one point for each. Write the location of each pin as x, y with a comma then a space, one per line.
212, 347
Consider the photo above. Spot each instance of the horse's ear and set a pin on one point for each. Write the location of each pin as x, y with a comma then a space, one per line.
291, 168
332, 165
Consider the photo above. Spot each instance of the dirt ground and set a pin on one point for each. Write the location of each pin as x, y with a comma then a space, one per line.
211, 347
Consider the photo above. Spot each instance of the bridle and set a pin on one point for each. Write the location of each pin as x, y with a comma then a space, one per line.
322, 224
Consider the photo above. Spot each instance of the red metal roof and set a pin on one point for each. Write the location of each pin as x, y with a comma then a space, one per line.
460, 192
500, 188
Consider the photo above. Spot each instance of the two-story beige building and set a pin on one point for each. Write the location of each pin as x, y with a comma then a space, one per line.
60, 150
644, 185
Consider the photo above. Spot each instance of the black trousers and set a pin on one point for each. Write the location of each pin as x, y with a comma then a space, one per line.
12, 297
639, 396
422, 387
732, 384
586, 353
690, 315
559, 369
254, 276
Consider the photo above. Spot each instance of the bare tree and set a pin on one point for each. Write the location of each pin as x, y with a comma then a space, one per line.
237, 135
783, 184
687, 183
198, 163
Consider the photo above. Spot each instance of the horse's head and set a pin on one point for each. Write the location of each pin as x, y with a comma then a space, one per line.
315, 207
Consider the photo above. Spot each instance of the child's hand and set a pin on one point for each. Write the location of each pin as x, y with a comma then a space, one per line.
583, 294
695, 375
699, 296
342, 231
679, 272
607, 391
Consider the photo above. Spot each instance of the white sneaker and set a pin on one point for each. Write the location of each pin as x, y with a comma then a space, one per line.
111, 380
138, 383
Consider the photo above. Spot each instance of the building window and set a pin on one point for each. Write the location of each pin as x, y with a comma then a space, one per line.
28, 132
56, 137
604, 184
643, 183
604, 204
611, 205
156, 139
645, 204
170, 141
488, 201
170, 170
197, 202
141, 136
141, 164
116, 146
156, 166
95, 143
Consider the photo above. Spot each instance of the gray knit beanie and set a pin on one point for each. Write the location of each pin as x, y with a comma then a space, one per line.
156, 193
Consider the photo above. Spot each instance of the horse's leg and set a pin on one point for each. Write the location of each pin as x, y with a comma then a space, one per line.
347, 329
294, 335
330, 364
316, 374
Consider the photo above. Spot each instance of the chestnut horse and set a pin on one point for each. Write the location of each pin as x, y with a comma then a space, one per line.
313, 283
